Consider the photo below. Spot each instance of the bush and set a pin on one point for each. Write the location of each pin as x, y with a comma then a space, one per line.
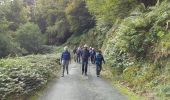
8, 46
23, 75
30, 37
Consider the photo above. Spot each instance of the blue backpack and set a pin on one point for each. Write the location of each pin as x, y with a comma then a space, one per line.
99, 59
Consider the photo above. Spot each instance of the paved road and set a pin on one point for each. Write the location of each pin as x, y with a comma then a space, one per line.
77, 87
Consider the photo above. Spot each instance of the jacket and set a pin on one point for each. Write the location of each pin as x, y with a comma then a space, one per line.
65, 55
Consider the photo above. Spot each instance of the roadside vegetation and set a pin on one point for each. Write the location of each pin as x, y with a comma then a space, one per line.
23, 75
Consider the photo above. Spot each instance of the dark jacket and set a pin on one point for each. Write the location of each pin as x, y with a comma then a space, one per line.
74, 51
99, 59
85, 55
93, 53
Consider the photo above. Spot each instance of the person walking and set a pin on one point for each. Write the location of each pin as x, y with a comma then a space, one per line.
85, 57
78, 55
65, 59
92, 56
75, 55
99, 60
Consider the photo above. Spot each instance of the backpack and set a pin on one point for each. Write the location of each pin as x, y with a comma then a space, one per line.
99, 59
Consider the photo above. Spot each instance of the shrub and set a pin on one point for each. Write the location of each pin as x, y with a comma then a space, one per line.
23, 75
8, 46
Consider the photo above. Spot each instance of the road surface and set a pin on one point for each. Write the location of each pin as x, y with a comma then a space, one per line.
77, 87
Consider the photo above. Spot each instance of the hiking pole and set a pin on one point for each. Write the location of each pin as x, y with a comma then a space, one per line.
89, 68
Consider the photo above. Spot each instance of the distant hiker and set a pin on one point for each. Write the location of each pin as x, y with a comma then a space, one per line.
99, 60
75, 55
85, 57
78, 54
90, 49
92, 55
65, 59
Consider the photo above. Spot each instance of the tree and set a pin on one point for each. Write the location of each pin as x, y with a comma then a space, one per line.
17, 14
78, 16
107, 12
30, 37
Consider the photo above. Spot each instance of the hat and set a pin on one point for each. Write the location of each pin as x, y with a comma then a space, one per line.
85, 46
65, 48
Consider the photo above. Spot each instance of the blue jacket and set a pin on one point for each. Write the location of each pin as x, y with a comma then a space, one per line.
65, 55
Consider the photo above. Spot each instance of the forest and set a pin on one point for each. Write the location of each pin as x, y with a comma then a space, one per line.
134, 36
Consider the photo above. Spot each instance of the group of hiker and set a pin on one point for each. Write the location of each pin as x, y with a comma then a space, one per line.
78, 52
82, 55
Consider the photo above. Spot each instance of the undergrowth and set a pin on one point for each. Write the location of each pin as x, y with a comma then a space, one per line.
22, 75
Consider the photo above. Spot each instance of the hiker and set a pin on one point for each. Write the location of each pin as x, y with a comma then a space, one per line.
99, 60
65, 59
78, 54
85, 57
75, 55
92, 55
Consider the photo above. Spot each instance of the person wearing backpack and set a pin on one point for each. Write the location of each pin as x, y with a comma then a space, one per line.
85, 58
99, 60
65, 59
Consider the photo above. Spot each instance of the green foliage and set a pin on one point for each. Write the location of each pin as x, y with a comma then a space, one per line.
4, 45
107, 12
138, 49
16, 14
137, 36
23, 75
58, 33
92, 37
30, 38
8, 46
60, 19
3, 24
163, 92
78, 16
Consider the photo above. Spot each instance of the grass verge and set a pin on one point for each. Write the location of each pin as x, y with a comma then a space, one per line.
115, 82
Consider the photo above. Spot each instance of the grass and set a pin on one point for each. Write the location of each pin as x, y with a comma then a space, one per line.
114, 81
130, 95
